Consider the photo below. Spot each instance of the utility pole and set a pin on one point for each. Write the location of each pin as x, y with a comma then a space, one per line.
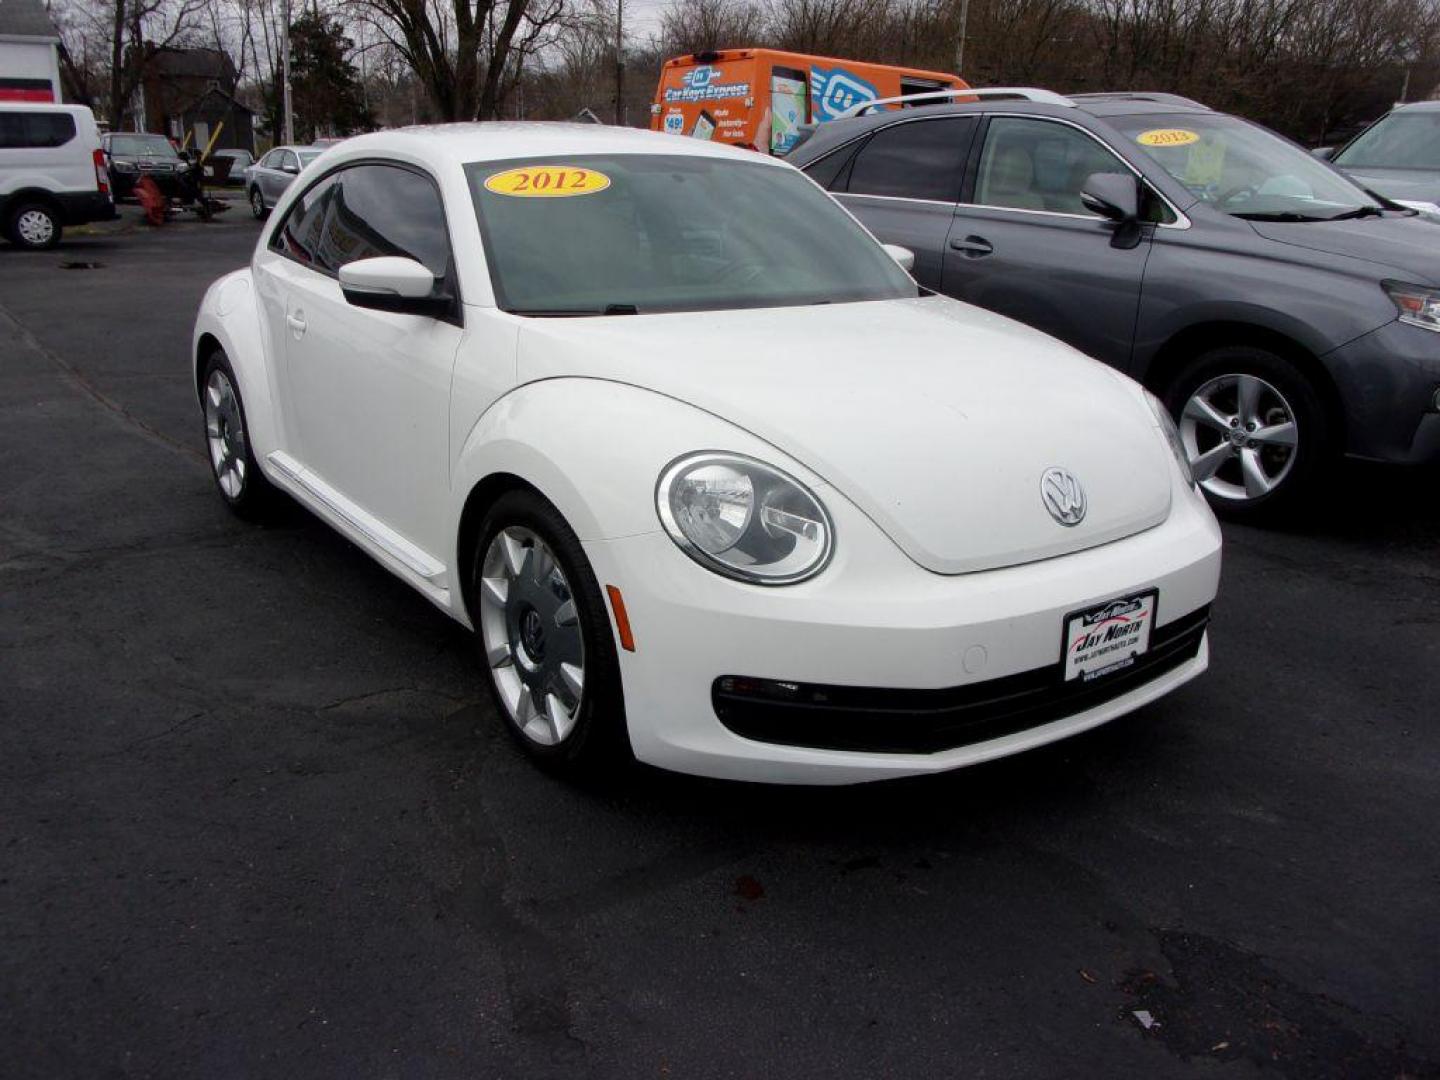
288, 116
960, 38
619, 61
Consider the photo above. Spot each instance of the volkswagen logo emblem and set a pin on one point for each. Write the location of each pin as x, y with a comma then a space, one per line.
1063, 496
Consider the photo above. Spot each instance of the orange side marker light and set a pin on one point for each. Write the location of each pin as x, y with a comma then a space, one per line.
622, 620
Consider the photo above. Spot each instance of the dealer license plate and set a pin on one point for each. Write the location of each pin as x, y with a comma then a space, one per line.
1108, 638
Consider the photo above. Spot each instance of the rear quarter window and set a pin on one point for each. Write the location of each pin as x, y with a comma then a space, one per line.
35, 130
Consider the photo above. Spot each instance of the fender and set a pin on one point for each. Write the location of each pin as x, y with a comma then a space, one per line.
595, 449
229, 314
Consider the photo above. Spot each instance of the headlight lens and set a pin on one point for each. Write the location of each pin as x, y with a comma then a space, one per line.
1172, 436
123, 166
1417, 305
744, 519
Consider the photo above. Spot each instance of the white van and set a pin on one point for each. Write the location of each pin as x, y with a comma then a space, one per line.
52, 172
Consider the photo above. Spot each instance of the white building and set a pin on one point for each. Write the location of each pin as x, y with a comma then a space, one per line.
29, 52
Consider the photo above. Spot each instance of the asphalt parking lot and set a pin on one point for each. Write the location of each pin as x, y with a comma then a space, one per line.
257, 817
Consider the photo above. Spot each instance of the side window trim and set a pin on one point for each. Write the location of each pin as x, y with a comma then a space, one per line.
977, 150
849, 167
452, 279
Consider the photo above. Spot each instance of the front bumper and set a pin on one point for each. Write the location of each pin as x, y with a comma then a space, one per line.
1387, 381
875, 619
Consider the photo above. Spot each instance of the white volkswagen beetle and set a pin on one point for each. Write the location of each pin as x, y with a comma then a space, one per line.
710, 477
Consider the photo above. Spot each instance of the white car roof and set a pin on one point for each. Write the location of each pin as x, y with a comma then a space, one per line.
500, 140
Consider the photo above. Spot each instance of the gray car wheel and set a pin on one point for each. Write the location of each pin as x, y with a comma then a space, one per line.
1254, 428
257, 203
34, 225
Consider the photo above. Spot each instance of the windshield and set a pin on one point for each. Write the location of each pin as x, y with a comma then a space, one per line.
1402, 140
1243, 169
642, 233
142, 145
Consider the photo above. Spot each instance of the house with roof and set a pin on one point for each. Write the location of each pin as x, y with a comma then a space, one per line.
29, 52
192, 92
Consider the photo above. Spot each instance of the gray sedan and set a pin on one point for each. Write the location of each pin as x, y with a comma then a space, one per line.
1398, 156
268, 178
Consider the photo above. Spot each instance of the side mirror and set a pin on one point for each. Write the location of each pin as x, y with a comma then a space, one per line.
293, 170
1324, 153
1115, 197
903, 256
391, 283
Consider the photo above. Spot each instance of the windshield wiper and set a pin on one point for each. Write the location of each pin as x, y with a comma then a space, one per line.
1278, 215
1358, 212
572, 313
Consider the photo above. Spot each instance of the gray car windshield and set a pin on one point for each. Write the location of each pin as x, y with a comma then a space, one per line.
631, 234
142, 146
1244, 170
1403, 140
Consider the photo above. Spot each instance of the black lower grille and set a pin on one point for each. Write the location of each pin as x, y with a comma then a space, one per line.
927, 721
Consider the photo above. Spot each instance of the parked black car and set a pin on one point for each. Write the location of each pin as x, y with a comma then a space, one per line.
131, 155
1282, 313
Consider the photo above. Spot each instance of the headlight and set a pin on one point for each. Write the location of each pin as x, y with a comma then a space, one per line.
123, 166
744, 519
1418, 305
1172, 435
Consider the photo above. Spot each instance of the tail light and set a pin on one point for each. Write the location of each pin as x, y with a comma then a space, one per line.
102, 175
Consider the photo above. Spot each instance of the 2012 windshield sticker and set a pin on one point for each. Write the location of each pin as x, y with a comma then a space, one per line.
547, 182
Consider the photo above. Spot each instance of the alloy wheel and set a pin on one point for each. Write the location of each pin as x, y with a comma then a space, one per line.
531, 634
1240, 435
257, 203
35, 227
225, 435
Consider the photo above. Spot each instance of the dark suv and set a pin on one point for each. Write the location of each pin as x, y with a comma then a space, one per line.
1283, 313
131, 155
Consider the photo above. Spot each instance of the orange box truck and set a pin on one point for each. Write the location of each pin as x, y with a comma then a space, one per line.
758, 98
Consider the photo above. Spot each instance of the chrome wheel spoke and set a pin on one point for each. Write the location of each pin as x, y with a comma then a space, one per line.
1256, 482
1200, 410
573, 676
1247, 395
515, 553
565, 614
1282, 434
495, 589
1204, 465
500, 655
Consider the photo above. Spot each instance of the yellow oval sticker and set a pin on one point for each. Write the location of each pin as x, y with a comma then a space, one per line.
1167, 137
547, 182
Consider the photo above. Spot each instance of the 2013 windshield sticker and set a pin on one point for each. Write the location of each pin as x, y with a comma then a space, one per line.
547, 182
1167, 137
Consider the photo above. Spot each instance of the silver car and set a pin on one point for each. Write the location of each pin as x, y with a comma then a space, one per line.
267, 179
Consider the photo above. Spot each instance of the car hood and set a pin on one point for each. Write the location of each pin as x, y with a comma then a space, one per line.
935, 418
1413, 185
1408, 244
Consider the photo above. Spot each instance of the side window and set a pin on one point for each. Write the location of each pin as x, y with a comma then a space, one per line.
367, 211
923, 159
29, 130
270, 160
301, 234
1039, 165
287, 160
829, 168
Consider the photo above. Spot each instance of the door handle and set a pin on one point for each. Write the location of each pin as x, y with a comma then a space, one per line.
296, 322
973, 247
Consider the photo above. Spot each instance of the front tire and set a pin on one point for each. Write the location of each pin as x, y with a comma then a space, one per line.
34, 226
1255, 429
257, 204
227, 442
544, 638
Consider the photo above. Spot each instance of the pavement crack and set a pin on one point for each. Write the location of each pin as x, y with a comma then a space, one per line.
82, 383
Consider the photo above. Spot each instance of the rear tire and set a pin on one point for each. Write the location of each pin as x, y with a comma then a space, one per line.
34, 226
1255, 429
543, 636
233, 467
